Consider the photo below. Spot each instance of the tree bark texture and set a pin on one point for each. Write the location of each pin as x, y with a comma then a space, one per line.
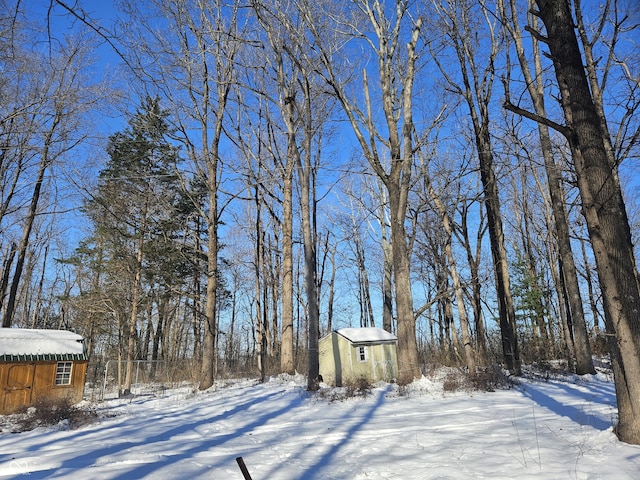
210, 325
604, 210
287, 109
287, 353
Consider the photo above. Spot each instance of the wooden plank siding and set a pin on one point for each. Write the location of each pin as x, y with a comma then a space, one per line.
22, 383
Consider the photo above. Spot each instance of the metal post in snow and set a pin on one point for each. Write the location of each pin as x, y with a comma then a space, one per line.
243, 468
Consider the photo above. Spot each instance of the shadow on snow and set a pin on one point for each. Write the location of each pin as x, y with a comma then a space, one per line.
582, 413
166, 456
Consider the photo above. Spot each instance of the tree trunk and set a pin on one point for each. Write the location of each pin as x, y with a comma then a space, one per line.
387, 288
408, 362
273, 270
569, 272
287, 364
506, 309
590, 287
26, 231
310, 288
260, 333
387, 269
4, 282
307, 206
476, 284
289, 67
366, 309
159, 334
565, 312
469, 353
135, 301
210, 326
604, 210
332, 290
396, 77
476, 88
580, 339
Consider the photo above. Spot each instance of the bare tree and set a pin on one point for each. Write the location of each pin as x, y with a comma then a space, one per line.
473, 251
367, 202
447, 224
303, 109
395, 136
603, 207
286, 72
38, 127
460, 20
382, 217
353, 222
535, 87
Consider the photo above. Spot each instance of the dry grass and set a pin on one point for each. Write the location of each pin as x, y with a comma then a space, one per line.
487, 379
51, 412
357, 388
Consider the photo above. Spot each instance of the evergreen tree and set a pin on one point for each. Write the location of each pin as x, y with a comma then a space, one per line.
134, 212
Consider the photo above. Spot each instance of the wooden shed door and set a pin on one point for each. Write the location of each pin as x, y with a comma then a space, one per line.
18, 386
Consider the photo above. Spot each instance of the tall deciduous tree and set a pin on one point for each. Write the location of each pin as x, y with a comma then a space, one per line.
303, 108
187, 50
473, 250
461, 20
390, 135
46, 94
535, 88
604, 209
286, 78
447, 224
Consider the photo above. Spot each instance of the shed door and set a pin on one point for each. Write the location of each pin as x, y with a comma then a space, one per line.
17, 388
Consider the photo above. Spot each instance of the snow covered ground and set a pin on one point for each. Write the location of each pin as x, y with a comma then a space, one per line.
556, 429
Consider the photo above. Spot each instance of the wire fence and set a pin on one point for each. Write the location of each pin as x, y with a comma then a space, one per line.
106, 378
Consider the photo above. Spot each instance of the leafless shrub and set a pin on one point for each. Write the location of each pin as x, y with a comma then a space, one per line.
403, 391
491, 378
54, 411
487, 379
360, 387
455, 381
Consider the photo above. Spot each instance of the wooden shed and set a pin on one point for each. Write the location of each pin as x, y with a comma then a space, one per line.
350, 354
37, 364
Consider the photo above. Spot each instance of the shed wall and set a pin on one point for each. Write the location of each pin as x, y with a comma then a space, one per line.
340, 364
22, 383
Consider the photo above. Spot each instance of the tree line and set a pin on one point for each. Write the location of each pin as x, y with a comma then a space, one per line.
459, 173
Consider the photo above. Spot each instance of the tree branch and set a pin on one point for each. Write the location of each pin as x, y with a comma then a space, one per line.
564, 130
537, 34
80, 15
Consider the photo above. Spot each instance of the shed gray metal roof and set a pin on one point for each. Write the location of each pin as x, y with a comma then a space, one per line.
367, 335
